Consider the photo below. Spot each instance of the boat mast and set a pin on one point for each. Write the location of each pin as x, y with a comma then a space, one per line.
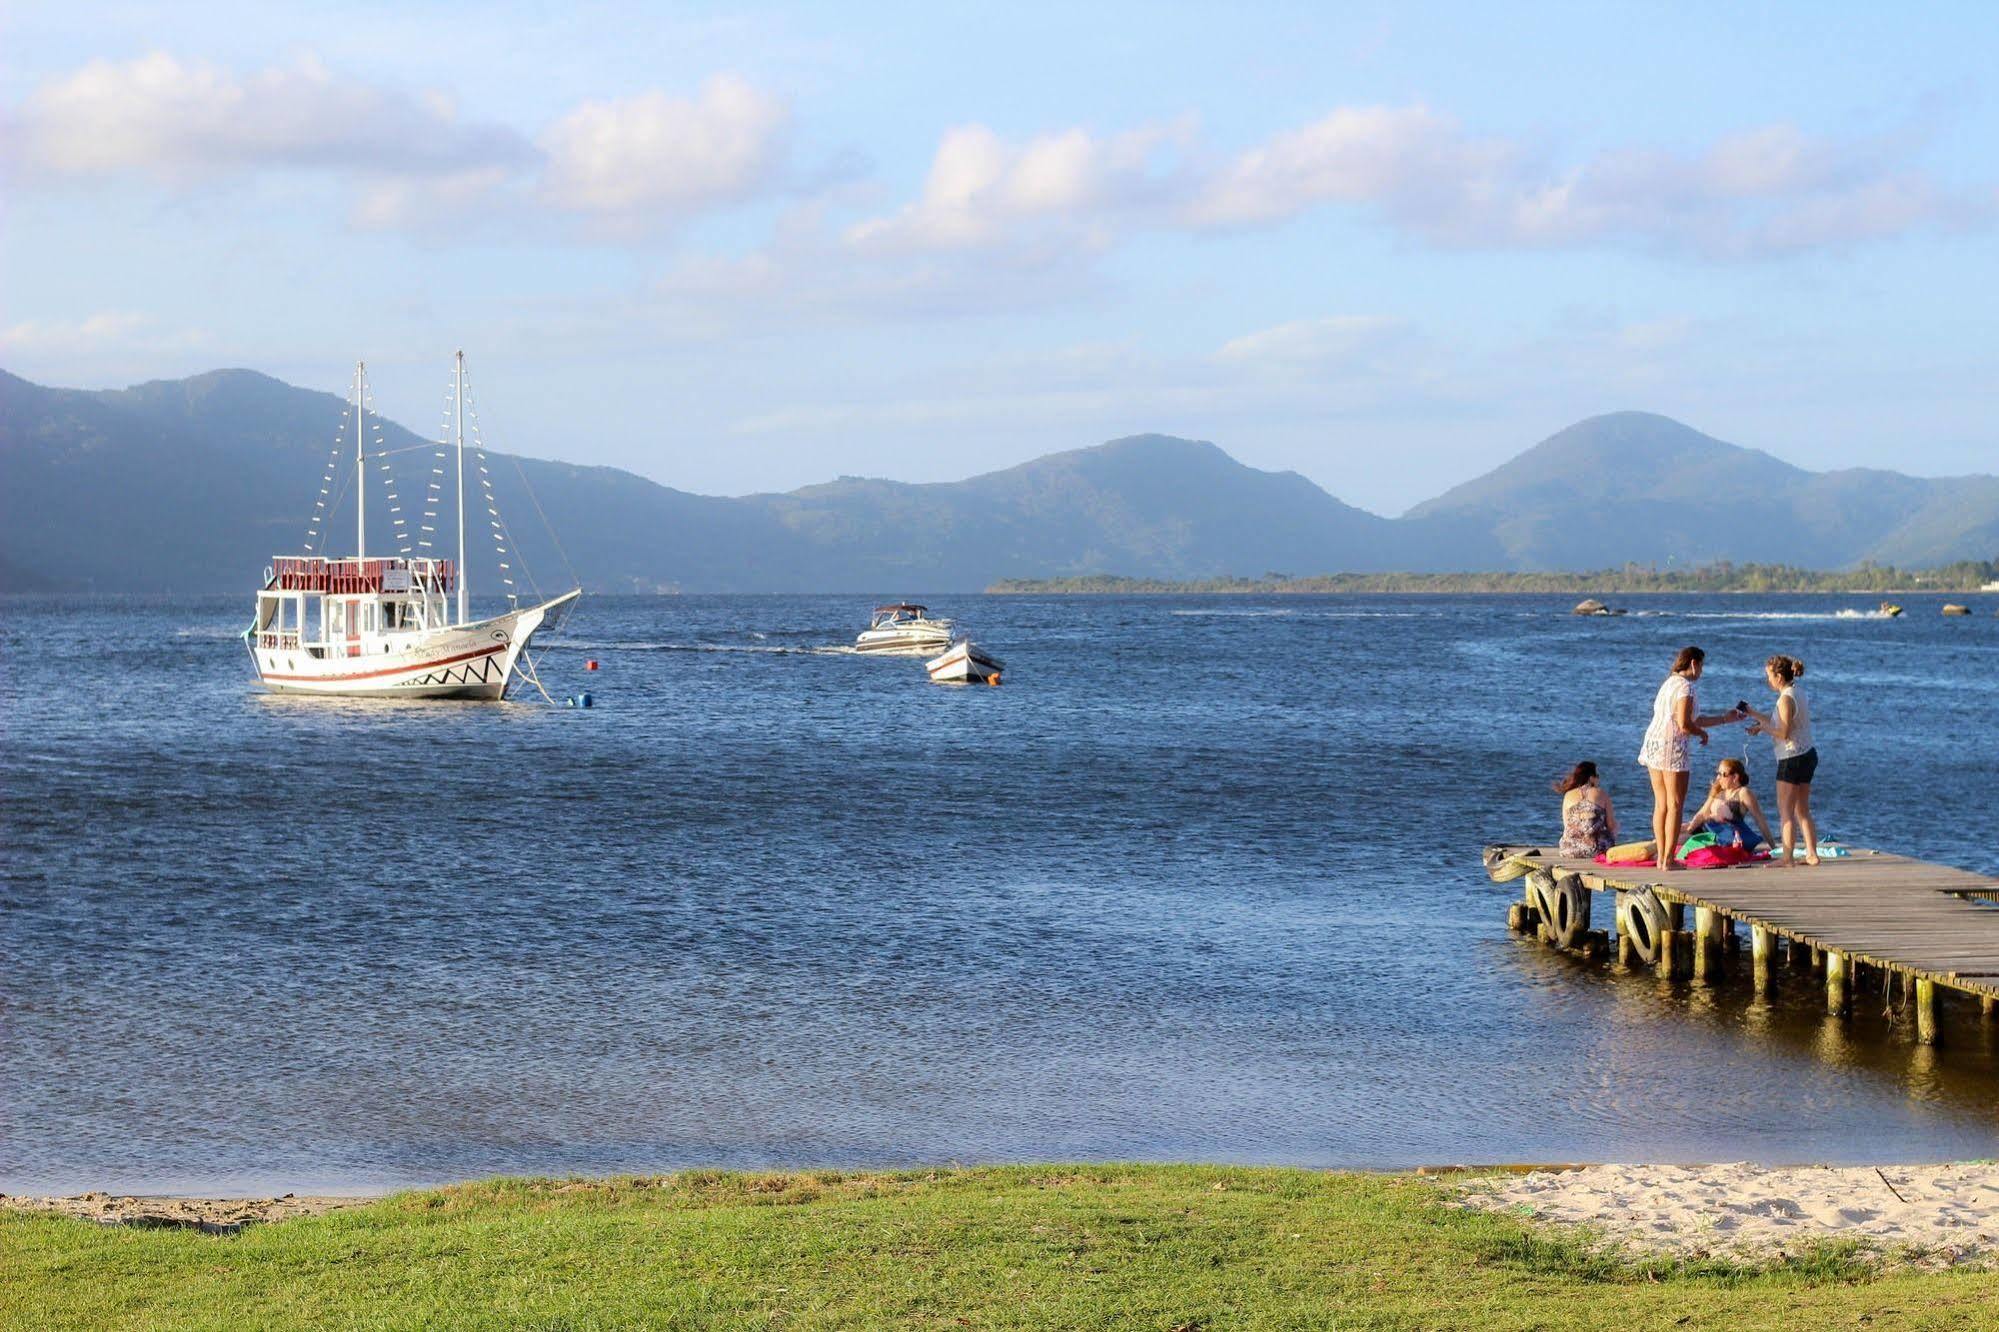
360, 470
459, 398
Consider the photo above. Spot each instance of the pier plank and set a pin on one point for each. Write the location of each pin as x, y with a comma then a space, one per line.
1933, 923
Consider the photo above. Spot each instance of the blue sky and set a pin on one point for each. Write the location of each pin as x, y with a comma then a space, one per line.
740, 248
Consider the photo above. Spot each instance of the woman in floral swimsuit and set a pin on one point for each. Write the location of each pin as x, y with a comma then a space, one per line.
1589, 824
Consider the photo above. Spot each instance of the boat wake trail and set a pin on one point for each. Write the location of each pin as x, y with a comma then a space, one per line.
1772, 615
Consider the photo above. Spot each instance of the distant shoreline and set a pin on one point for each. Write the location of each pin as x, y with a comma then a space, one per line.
1965, 578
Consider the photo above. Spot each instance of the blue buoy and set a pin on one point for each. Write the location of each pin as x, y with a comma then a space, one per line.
584, 698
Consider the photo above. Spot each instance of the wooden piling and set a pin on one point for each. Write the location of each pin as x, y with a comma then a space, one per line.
1872, 922
1837, 987
1762, 944
1707, 943
1676, 954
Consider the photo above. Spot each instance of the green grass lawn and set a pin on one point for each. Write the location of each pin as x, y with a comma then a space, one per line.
1165, 1247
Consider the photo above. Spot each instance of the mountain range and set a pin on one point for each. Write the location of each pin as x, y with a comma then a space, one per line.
193, 484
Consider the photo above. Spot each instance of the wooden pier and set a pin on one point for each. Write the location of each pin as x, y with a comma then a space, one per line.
1931, 928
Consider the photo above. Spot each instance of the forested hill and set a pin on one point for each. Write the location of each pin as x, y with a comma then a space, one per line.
192, 485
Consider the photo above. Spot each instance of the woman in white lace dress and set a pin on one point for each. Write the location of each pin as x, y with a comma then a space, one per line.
1676, 723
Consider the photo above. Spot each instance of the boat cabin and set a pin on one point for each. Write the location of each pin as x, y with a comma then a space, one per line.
902, 612
350, 607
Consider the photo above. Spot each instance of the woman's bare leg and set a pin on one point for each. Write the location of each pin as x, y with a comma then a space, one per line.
1659, 797
1787, 800
1676, 806
1802, 803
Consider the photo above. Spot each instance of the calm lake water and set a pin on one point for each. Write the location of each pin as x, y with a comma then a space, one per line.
1200, 881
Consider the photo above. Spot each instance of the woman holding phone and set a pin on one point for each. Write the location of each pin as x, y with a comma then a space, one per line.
1789, 726
1676, 722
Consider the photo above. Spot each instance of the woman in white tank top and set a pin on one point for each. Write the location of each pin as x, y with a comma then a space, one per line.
1789, 726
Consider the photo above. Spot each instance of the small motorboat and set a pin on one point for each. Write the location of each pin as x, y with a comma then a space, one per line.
965, 664
903, 629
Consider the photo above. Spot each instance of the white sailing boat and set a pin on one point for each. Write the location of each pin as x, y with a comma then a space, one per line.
387, 626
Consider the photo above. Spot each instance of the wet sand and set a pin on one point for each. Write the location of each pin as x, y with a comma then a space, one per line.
1930, 1215
217, 1216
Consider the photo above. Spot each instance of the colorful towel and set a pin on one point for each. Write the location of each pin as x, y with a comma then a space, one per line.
1694, 857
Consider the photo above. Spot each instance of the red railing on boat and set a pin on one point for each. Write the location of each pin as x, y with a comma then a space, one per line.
352, 577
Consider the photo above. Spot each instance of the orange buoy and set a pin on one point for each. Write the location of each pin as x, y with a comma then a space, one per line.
590, 665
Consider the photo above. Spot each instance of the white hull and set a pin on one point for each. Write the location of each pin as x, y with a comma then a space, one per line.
965, 664
457, 661
903, 642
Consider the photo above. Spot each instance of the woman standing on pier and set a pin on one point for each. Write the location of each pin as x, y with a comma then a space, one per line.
1789, 726
1676, 721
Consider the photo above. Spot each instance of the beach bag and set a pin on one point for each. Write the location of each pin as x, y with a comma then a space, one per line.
1630, 853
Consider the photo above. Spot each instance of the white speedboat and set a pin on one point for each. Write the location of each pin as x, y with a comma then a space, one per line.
903, 629
965, 664
384, 626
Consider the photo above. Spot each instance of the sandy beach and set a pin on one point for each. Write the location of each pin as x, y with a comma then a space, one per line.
218, 1216
1930, 1215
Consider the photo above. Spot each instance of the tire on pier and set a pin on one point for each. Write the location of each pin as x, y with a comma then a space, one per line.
1540, 893
1568, 915
1645, 923
1501, 866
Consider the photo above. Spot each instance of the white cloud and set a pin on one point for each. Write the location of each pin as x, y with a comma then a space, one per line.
434, 202
1765, 190
410, 160
96, 341
980, 189
178, 121
1409, 159
1768, 190
107, 331
1313, 343
664, 156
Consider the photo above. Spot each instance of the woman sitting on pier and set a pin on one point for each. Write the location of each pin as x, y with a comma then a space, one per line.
1676, 721
1729, 807
1589, 824
1789, 726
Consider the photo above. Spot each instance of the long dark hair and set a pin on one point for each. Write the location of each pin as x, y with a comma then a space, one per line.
1581, 775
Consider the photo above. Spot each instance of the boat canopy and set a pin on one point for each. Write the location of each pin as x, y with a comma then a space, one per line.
900, 606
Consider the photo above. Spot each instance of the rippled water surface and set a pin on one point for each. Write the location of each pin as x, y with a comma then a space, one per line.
1200, 881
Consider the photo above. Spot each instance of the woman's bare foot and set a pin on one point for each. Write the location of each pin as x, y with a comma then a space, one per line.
1783, 862
1812, 859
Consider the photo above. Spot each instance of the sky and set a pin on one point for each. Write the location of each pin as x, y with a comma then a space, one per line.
738, 248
